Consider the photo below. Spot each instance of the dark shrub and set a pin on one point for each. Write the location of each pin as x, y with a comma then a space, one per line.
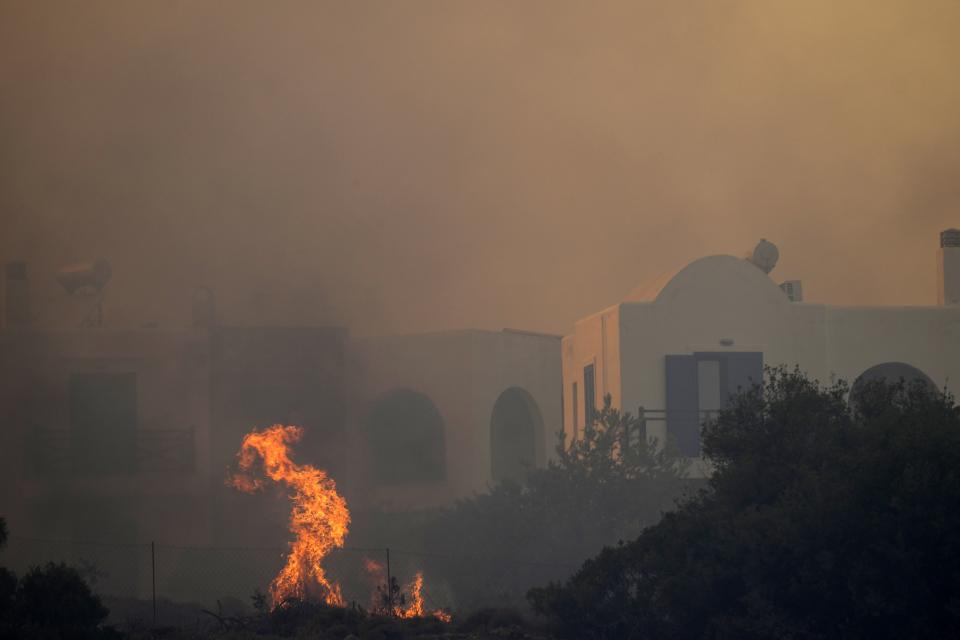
824, 518
55, 597
299, 617
8, 589
491, 618
603, 487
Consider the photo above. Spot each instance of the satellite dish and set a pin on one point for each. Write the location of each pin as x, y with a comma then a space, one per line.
765, 256
85, 278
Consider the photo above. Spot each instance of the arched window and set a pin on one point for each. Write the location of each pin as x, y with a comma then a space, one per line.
516, 430
406, 440
891, 372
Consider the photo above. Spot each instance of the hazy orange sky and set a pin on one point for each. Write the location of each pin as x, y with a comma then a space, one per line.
411, 166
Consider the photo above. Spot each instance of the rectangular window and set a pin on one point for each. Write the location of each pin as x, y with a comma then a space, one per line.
683, 424
589, 396
701, 384
742, 372
103, 420
708, 383
576, 411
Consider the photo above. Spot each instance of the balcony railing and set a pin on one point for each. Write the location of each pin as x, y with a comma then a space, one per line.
67, 451
645, 417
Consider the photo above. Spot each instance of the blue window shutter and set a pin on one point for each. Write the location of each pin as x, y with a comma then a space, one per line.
683, 410
744, 370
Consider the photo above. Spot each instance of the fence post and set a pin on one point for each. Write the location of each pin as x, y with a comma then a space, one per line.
389, 585
153, 578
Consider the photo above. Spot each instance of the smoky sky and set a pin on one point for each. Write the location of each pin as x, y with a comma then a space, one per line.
416, 166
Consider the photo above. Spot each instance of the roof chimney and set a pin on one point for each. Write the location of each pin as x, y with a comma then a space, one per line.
948, 268
17, 307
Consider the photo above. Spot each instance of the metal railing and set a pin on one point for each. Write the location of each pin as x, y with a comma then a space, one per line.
645, 415
639, 431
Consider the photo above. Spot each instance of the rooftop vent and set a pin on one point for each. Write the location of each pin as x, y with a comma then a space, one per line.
793, 289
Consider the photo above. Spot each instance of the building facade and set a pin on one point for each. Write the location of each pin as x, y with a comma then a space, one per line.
677, 348
126, 435
444, 415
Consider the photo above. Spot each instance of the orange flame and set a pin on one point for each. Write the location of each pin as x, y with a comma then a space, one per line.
372, 567
378, 576
415, 608
319, 518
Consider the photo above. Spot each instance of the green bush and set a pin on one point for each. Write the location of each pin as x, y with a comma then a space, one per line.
826, 517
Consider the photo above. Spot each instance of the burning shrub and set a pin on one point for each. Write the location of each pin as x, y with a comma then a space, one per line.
299, 618
319, 518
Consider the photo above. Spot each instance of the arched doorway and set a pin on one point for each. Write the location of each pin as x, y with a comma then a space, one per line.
405, 434
516, 435
891, 372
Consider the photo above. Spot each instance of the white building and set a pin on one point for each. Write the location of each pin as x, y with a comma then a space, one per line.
680, 345
142, 423
443, 415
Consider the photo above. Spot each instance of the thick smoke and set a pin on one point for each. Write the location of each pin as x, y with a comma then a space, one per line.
418, 166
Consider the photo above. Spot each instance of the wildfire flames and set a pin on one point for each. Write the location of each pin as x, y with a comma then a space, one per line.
412, 606
319, 518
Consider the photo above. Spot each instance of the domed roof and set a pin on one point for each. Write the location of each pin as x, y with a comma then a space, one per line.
718, 271
648, 290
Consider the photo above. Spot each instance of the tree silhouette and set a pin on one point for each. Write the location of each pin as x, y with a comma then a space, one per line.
826, 517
